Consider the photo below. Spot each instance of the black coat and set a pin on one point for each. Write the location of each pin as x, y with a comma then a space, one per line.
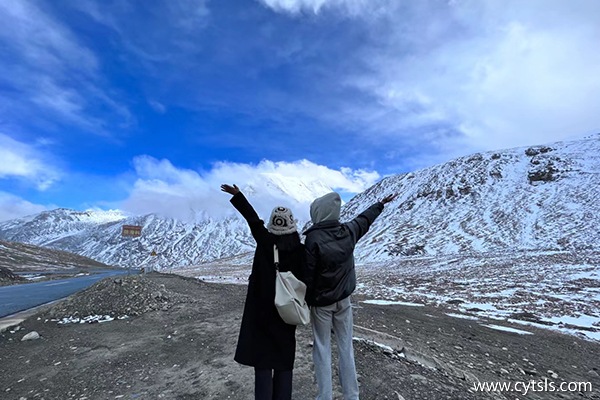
265, 341
330, 275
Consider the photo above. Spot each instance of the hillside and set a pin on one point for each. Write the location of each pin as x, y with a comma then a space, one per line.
20, 257
524, 199
176, 243
540, 198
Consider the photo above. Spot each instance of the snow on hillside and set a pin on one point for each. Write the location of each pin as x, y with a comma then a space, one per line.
557, 290
176, 243
301, 190
510, 234
48, 226
536, 198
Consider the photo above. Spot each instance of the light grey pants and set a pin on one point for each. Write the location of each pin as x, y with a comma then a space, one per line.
339, 317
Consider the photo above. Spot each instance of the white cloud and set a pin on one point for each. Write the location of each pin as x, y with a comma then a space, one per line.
538, 85
315, 6
12, 207
497, 73
522, 83
186, 194
23, 161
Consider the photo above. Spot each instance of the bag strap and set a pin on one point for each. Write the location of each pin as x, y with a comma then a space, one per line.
276, 257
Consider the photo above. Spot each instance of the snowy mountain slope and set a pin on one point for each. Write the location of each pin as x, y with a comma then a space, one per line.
536, 198
303, 191
176, 243
48, 226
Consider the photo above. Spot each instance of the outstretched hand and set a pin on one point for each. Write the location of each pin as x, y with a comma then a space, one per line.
232, 190
388, 198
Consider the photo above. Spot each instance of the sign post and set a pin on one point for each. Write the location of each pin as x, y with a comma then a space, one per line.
134, 231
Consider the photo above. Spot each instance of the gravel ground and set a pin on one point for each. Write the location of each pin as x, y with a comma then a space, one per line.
173, 338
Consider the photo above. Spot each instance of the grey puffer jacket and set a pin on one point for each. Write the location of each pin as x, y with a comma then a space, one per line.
330, 274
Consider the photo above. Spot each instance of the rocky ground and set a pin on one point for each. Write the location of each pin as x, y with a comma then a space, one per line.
553, 289
170, 337
7, 277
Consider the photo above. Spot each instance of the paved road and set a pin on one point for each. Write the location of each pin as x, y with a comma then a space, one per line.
17, 298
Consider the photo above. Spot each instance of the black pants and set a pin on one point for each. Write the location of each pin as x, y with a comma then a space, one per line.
272, 385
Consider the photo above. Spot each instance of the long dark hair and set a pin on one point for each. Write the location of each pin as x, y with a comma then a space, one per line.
288, 242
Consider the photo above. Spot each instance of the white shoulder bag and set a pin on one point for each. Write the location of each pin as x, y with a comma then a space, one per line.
289, 296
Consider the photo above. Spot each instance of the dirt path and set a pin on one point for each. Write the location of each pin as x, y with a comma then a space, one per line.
186, 351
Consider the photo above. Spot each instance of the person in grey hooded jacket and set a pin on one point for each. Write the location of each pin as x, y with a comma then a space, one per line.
330, 279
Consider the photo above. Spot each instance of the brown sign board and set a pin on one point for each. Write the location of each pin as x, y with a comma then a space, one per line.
132, 230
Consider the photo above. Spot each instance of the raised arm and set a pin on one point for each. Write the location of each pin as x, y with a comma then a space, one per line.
359, 226
239, 201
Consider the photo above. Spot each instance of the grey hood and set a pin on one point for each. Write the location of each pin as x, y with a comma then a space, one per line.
326, 208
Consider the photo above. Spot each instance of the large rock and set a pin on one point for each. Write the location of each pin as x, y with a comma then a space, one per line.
31, 336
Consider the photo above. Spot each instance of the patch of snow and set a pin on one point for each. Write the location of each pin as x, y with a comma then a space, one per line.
32, 277
507, 329
585, 321
101, 216
90, 319
463, 316
392, 303
384, 347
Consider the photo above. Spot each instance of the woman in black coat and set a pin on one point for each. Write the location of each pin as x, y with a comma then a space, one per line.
266, 342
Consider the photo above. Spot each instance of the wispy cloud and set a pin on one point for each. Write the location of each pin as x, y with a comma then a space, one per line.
316, 6
164, 188
169, 32
26, 162
50, 75
12, 207
157, 106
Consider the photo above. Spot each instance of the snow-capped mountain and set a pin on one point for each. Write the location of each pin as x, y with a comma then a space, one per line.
176, 243
46, 227
303, 191
534, 198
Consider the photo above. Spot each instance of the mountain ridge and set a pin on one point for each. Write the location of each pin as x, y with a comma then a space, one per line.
527, 198
523, 199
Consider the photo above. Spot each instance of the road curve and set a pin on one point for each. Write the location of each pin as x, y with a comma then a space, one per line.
21, 297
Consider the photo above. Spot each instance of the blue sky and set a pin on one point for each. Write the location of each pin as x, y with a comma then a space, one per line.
116, 104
